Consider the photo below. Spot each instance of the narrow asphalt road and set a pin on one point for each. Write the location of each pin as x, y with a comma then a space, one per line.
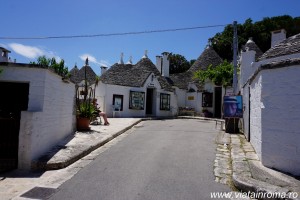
159, 160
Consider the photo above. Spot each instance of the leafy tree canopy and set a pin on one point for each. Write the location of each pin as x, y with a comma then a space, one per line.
222, 74
178, 63
260, 32
58, 67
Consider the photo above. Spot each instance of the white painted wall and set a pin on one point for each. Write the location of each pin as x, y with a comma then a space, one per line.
280, 119
255, 115
50, 116
181, 97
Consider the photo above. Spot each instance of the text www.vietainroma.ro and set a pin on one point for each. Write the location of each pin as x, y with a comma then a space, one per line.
252, 195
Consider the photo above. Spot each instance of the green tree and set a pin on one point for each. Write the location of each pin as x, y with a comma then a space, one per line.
58, 67
178, 63
222, 74
260, 31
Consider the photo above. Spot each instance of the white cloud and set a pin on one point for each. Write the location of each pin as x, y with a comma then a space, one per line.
104, 63
26, 51
92, 59
32, 51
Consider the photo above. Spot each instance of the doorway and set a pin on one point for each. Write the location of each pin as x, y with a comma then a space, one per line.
149, 101
218, 102
11, 105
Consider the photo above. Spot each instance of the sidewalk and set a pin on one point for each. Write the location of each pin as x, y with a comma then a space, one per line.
82, 143
238, 165
249, 175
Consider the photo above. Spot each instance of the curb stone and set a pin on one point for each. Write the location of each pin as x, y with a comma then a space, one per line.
80, 152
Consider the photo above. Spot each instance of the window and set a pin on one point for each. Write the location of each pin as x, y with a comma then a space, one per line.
207, 99
136, 100
164, 101
118, 102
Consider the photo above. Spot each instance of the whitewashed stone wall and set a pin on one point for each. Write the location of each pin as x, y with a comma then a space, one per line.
281, 119
181, 97
255, 115
49, 117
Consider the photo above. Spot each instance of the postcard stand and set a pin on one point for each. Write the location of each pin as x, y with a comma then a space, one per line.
231, 125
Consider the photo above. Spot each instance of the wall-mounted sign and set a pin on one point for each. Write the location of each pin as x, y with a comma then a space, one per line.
191, 98
229, 91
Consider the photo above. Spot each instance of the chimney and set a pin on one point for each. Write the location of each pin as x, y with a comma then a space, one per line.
278, 36
4, 54
165, 64
103, 69
158, 63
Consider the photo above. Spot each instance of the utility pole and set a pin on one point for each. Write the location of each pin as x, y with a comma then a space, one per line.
235, 47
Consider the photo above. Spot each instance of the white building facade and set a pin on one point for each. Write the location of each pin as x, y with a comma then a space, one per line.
48, 115
127, 90
271, 96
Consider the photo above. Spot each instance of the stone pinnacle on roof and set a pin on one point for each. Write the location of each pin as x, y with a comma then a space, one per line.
121, 59
146, 54
130, 60
250, 45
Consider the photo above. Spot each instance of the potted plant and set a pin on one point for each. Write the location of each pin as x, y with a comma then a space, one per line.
84, 108
85, 112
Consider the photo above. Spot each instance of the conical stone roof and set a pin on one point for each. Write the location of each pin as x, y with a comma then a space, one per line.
74, 74
133, 75
208, 57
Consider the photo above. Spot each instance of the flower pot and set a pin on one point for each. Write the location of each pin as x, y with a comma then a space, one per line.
83, 124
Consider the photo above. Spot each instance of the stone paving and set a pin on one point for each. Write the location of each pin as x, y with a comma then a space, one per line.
231, 159
238, 166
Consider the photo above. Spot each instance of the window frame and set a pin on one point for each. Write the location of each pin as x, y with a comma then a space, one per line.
165, 105
137, 100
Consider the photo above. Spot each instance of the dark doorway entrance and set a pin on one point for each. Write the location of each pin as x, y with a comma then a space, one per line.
218, 102
149, 101
15, 100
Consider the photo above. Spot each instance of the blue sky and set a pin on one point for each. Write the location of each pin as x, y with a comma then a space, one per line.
76, 17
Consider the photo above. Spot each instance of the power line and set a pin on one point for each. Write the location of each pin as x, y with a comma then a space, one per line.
108, 34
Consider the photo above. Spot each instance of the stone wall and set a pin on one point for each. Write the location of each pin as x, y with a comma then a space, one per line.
280, 119
50, 116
